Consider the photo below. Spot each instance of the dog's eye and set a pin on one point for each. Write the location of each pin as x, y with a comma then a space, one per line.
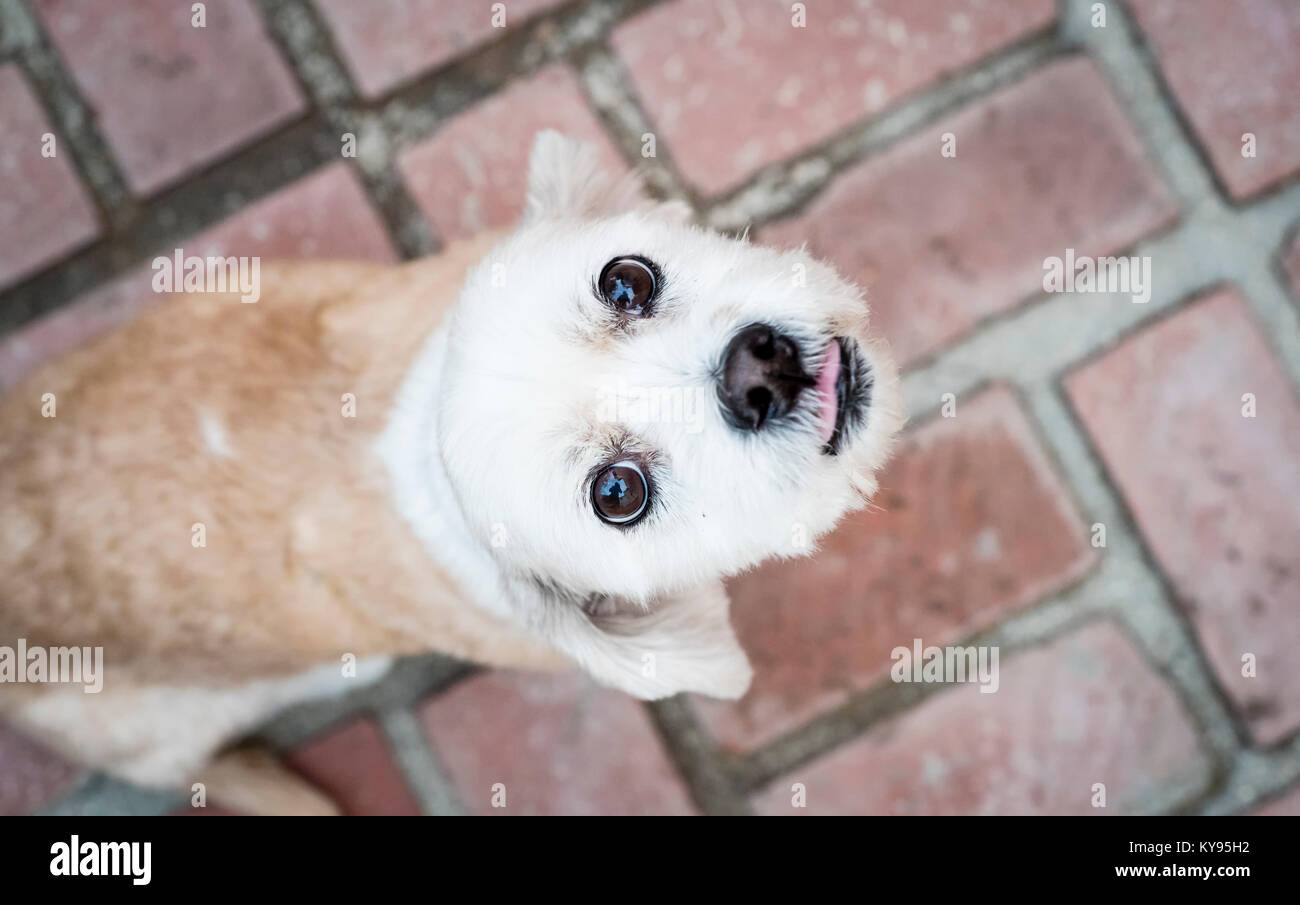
628, 285
620, 493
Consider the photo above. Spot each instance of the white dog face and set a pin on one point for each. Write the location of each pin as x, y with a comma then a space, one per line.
637, 407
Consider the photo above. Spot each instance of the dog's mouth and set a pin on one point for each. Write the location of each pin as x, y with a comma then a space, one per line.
844, 393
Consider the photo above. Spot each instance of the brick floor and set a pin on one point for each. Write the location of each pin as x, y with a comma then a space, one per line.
982, 518
1047, 164
30, 775
167, 96
324, 215
558, 744
385, 43
1213, 492
1287, 805
1226, 95
732, 87
472, 174
1032, 747
355, 766
44, 210
974, 525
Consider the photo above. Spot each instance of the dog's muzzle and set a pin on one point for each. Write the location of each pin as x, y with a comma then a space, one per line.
763, 379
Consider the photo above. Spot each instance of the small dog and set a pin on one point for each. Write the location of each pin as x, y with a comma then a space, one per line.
458, 454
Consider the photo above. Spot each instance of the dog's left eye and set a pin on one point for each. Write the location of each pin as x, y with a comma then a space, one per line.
629, 285
620, 493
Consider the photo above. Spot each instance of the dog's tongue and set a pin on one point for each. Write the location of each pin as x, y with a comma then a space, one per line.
826, 390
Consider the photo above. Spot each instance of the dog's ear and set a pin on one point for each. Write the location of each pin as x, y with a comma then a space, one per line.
568, 180
681, 642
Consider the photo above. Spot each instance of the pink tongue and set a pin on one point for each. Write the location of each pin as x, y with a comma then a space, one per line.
826, 390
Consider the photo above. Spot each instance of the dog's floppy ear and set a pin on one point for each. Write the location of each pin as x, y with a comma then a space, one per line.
568, 180
681, 642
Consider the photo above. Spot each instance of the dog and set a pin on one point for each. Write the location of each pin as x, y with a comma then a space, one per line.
248, 506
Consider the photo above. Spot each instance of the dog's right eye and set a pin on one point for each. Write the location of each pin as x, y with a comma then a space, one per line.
628, 285
620, 493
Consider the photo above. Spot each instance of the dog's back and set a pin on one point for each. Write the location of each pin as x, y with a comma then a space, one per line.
206, 505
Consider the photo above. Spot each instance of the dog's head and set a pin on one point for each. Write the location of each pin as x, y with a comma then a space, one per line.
633, 407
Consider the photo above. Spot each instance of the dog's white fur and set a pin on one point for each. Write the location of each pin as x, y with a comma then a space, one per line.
529, 362
492, 438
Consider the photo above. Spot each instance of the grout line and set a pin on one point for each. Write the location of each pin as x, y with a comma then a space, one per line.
1055, 333
418, 763
611, 94
1136, 593
1240, 238
704, 770
876, 706
304, 39
103, 796
415, 110
409, 681
200, 202
1134, 80
1256, 777
783, 189
68, 111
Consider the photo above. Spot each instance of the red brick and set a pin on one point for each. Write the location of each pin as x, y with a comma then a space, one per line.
1234, 69
1085, 709
1287, 805
975, 525
733, 87
560, 745
323, 215
169, 97
385, 44
45, 212
355, 766
1044, 165
30, 776
472, 174
1214, 493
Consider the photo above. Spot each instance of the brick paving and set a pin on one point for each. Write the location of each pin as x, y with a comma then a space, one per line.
472, 173
42, 194
1103, 490
941, 567
182, 96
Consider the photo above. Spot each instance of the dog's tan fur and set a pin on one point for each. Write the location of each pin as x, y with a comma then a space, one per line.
98, 502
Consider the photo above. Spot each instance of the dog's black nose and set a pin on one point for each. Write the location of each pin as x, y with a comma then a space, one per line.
761, 377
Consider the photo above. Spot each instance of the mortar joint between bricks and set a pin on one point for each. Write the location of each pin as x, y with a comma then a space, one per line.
708, 775
308, 46
785, 188
1167, 636
611, 95
204, 199
90, 154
